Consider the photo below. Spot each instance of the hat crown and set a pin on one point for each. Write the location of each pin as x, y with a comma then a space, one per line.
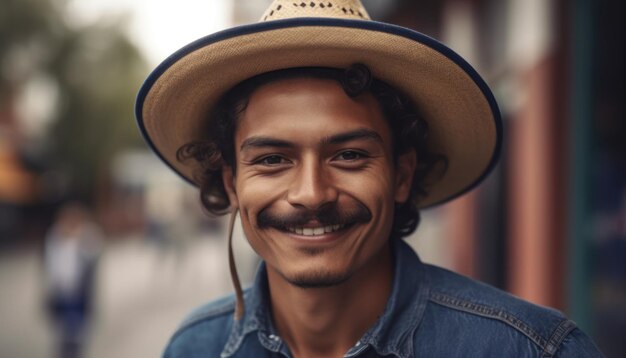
339, 9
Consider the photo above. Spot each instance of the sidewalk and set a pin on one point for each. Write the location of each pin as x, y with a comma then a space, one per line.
143, 292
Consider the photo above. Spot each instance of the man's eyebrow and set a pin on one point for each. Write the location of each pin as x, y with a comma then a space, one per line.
260, 142
353, 135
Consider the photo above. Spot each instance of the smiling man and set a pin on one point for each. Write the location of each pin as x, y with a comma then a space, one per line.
327, 132
309, 182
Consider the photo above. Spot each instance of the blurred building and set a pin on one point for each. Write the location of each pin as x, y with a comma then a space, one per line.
25, 200
549, 224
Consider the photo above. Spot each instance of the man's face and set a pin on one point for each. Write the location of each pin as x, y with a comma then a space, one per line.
315, 180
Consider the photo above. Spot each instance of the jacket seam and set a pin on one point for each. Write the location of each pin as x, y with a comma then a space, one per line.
490, 312
559, 334
213, 313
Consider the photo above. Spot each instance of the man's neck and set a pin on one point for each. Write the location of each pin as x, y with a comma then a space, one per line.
327, 322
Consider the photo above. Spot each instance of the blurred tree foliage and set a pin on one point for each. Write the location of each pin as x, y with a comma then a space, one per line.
95, 72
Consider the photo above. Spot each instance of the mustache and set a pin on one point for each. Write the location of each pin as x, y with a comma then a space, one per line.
329, 214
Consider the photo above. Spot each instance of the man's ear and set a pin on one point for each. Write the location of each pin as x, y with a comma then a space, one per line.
229, 185
405, 168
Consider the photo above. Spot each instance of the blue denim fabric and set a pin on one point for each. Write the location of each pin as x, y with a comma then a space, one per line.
431, 312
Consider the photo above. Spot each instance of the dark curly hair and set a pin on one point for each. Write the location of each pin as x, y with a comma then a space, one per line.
408, 129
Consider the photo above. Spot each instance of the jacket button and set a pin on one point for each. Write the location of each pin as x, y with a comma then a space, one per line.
274, 337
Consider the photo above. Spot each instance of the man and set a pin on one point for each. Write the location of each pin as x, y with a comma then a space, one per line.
327, 133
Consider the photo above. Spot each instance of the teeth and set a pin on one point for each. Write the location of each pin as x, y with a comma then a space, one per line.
313, 231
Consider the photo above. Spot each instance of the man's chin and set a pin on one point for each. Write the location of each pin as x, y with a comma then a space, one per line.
318, 279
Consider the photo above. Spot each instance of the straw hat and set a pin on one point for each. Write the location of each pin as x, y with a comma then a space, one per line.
462, 115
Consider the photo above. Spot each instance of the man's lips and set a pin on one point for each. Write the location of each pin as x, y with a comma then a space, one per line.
315, 231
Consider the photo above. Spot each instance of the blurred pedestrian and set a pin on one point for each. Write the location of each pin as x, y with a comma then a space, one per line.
71, 250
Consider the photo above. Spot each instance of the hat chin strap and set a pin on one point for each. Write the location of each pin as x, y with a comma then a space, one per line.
240, 306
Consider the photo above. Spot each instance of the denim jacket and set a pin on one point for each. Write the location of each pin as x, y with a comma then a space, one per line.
431, 312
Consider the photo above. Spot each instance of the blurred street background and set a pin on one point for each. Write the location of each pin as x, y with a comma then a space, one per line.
103, 251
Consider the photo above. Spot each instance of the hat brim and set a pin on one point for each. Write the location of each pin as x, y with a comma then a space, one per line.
463, 118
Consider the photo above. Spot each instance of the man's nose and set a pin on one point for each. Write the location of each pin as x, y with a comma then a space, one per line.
311, 187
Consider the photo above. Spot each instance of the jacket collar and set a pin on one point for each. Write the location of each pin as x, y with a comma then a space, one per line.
391, 335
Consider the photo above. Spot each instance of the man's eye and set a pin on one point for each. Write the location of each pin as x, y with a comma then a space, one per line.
271, 160
350, 155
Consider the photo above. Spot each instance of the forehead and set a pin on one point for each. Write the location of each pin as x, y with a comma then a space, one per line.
317, 107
